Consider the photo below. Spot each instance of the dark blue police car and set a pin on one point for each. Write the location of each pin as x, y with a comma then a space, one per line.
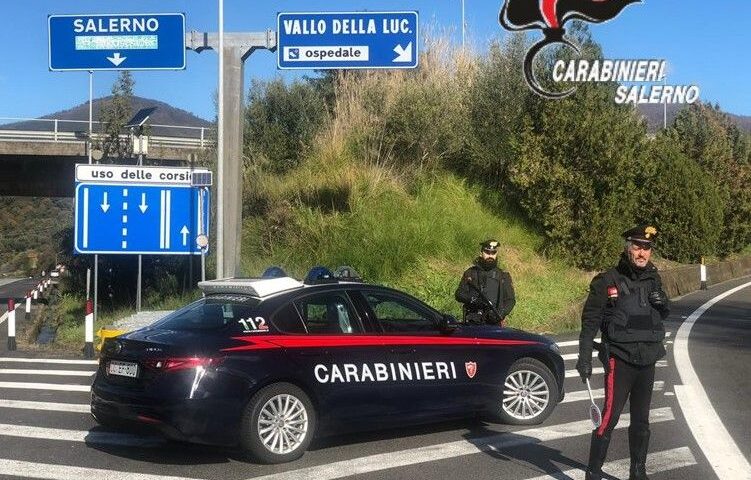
266, 363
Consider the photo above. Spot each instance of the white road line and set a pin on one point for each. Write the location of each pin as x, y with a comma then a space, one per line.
48, 471
46, 386
575, 356
62, 361
571, 343
62, 373
98, 437
51, 406
5, 315
657, 462
432, 453
581, 395
719, 447
598, 370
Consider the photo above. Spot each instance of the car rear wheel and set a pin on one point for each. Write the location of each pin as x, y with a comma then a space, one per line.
529, 393
278, 424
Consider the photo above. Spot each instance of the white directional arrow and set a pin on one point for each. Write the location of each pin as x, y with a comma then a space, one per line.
143, 205
404, 54
105, 206
185, 233
116, 59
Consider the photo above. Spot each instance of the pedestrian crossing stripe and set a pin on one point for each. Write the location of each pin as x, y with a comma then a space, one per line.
49, 406
60, 373
46, 386
432, 453
61, 361
657, 462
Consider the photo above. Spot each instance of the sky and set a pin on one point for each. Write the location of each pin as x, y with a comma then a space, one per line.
705, 43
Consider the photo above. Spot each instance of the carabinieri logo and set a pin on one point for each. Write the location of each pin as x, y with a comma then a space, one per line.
550, 16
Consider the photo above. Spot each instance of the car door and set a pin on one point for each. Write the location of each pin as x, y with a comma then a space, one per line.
336, 359
431, 379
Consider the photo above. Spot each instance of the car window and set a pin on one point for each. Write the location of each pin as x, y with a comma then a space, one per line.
327, 313
398, 315
287, 320
209, 314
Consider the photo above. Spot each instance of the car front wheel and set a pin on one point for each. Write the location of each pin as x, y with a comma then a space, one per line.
529, 393
278, 424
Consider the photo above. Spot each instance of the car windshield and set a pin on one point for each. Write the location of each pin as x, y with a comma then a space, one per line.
214, 312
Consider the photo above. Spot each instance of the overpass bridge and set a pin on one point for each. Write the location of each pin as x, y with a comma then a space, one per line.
38, 156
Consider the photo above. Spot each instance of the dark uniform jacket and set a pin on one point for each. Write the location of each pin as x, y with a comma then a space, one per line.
617, 306
495, 284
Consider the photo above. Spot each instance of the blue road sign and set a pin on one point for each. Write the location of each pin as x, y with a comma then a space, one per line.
146, 219
347, 40
130, 41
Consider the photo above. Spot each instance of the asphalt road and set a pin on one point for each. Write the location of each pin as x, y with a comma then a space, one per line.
46, 432
16, 289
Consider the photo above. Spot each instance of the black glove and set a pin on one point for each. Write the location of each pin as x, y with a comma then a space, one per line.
658, 299
584, 367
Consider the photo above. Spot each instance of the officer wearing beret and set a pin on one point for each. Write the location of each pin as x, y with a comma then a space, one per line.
627, 305
484, 284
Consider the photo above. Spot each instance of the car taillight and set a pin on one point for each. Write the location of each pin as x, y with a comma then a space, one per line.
181, 363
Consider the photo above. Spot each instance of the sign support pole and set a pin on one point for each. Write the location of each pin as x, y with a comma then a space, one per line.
234, 51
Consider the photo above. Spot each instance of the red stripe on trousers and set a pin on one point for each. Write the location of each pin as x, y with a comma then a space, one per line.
608, 397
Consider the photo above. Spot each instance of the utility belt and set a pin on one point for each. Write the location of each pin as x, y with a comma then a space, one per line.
629, 317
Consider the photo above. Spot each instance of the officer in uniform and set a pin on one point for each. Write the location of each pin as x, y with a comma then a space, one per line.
627, 304
484, 283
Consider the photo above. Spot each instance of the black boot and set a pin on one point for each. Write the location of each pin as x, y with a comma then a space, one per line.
638, 444
598, 449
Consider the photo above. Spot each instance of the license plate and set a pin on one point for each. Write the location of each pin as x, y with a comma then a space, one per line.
125, 369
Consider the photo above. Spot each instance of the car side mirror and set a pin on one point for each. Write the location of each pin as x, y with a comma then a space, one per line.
447, 323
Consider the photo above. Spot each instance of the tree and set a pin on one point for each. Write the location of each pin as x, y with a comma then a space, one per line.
708, 136
115, 113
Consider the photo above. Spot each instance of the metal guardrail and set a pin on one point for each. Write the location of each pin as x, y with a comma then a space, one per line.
57, 130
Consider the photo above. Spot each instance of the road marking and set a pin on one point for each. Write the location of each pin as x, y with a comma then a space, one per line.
46, 386
17, 468
51, 406
24, 371
571, 343
598, 370
85, 218
98, 437
581, 395
574, 356
443, 451
656, 462
5, 315
705, 424
49, 360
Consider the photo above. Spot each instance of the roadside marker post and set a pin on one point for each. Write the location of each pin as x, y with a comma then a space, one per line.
35, 294
11, 324
703, 275
28, 306
88, 349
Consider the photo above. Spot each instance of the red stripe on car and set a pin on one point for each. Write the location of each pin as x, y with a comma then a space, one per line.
255, 342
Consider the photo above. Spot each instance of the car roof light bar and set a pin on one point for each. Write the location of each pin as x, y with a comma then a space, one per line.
261, 287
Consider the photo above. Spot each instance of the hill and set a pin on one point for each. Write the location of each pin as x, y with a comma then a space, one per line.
654, 114
78, 116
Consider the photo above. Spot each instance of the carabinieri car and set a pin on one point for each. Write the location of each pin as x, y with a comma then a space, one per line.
267, 363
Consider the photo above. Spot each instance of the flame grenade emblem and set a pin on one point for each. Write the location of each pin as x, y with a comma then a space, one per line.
550, 16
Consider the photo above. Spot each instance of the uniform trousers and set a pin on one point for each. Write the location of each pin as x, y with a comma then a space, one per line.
624, 380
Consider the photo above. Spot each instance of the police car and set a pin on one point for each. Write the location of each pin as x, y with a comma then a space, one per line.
267, 363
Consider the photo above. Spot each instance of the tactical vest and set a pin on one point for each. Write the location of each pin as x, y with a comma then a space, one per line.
491, 286
629, 317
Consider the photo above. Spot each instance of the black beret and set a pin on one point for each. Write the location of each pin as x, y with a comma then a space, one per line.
641, 233
490, 244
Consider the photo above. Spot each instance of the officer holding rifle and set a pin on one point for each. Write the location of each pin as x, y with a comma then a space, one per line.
485, 290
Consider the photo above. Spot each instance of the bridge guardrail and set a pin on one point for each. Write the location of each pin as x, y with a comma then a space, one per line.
74, 131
